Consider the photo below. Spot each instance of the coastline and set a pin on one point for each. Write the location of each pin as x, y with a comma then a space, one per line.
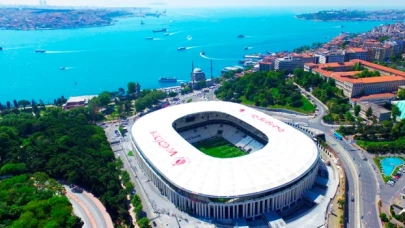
109, 57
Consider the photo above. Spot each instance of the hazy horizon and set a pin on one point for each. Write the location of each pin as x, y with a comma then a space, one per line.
213, 3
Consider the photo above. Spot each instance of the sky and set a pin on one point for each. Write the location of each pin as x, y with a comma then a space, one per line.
215, 3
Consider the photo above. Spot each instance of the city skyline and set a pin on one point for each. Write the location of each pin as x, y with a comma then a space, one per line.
208, 3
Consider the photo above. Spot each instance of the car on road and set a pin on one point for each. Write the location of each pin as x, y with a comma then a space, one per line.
352, 199
154, 224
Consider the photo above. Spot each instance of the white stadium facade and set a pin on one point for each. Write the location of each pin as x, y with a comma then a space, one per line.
280, 164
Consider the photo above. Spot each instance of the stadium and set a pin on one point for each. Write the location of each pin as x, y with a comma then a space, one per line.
222, 160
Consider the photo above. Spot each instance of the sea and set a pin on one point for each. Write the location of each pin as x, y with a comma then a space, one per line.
107, 58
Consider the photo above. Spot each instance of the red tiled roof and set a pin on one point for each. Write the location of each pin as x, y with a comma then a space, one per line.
356, 50
373, 96
379, 67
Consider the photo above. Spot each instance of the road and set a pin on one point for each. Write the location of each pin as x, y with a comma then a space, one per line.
362, 212
89, 209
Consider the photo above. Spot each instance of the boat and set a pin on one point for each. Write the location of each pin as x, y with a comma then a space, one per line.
167, 79
142, 23
240, 36
181, 48
235, 68
62, 68
189, 38
167, 34
149, 38
246, 48
40, 51
342, 26
258, 56
160, 30
202, 52
1, 48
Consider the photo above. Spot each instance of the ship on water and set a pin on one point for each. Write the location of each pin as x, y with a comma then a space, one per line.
241, 36
160, 30
149, 38
40, 51
202, 53
167, 34
167, 79
1, 48
142, 23
181, 49
62, 68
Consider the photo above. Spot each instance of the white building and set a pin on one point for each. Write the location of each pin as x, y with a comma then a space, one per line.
280, 165
293, 61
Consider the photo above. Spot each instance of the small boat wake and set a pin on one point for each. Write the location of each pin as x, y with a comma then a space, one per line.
189, 38
16, 48
215, 59
64, 52
192, 47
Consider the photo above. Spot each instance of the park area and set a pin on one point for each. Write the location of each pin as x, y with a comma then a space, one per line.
218, 147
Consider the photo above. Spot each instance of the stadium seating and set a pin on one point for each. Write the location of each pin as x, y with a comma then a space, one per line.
230, 133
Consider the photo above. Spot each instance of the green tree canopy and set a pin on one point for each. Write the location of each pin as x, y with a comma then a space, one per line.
369, 112
104, 98
401, 94
131, 87
357, 110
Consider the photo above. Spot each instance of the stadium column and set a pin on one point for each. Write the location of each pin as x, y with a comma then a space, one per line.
253, 209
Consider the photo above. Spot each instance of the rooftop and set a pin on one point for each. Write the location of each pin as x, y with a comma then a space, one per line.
288, 155
379, 67
80, 98
374, 96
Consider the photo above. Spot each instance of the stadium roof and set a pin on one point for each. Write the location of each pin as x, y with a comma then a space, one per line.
288, 155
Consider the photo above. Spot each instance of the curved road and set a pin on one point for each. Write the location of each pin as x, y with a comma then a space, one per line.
89, 209
363, 211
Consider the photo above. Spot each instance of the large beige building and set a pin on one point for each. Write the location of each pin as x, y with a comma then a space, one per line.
356, 87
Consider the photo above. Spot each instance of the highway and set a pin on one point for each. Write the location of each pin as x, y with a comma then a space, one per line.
360, 175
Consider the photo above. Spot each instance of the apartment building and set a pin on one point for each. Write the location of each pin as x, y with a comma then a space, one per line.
293, 61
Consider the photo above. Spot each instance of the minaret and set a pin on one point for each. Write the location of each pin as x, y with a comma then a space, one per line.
192, 71
212, 77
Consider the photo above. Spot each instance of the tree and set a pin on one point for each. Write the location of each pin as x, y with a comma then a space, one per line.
121, 91
94, 107
369, 112
172, 94
131, 87
401, 94
395, 112
357, 109
8, 105
15, 104
23, 103
143, 223
104, 98
384, 217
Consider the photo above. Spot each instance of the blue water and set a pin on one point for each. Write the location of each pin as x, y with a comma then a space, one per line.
106, 58
389, 164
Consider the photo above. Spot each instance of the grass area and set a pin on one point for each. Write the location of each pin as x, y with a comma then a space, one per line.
130, 153
219, 148
307, 106
189, 100
377, 161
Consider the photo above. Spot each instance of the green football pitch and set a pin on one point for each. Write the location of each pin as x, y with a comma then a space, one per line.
219, 148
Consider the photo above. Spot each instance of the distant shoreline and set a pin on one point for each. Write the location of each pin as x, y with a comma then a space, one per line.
40, 19
354, 15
